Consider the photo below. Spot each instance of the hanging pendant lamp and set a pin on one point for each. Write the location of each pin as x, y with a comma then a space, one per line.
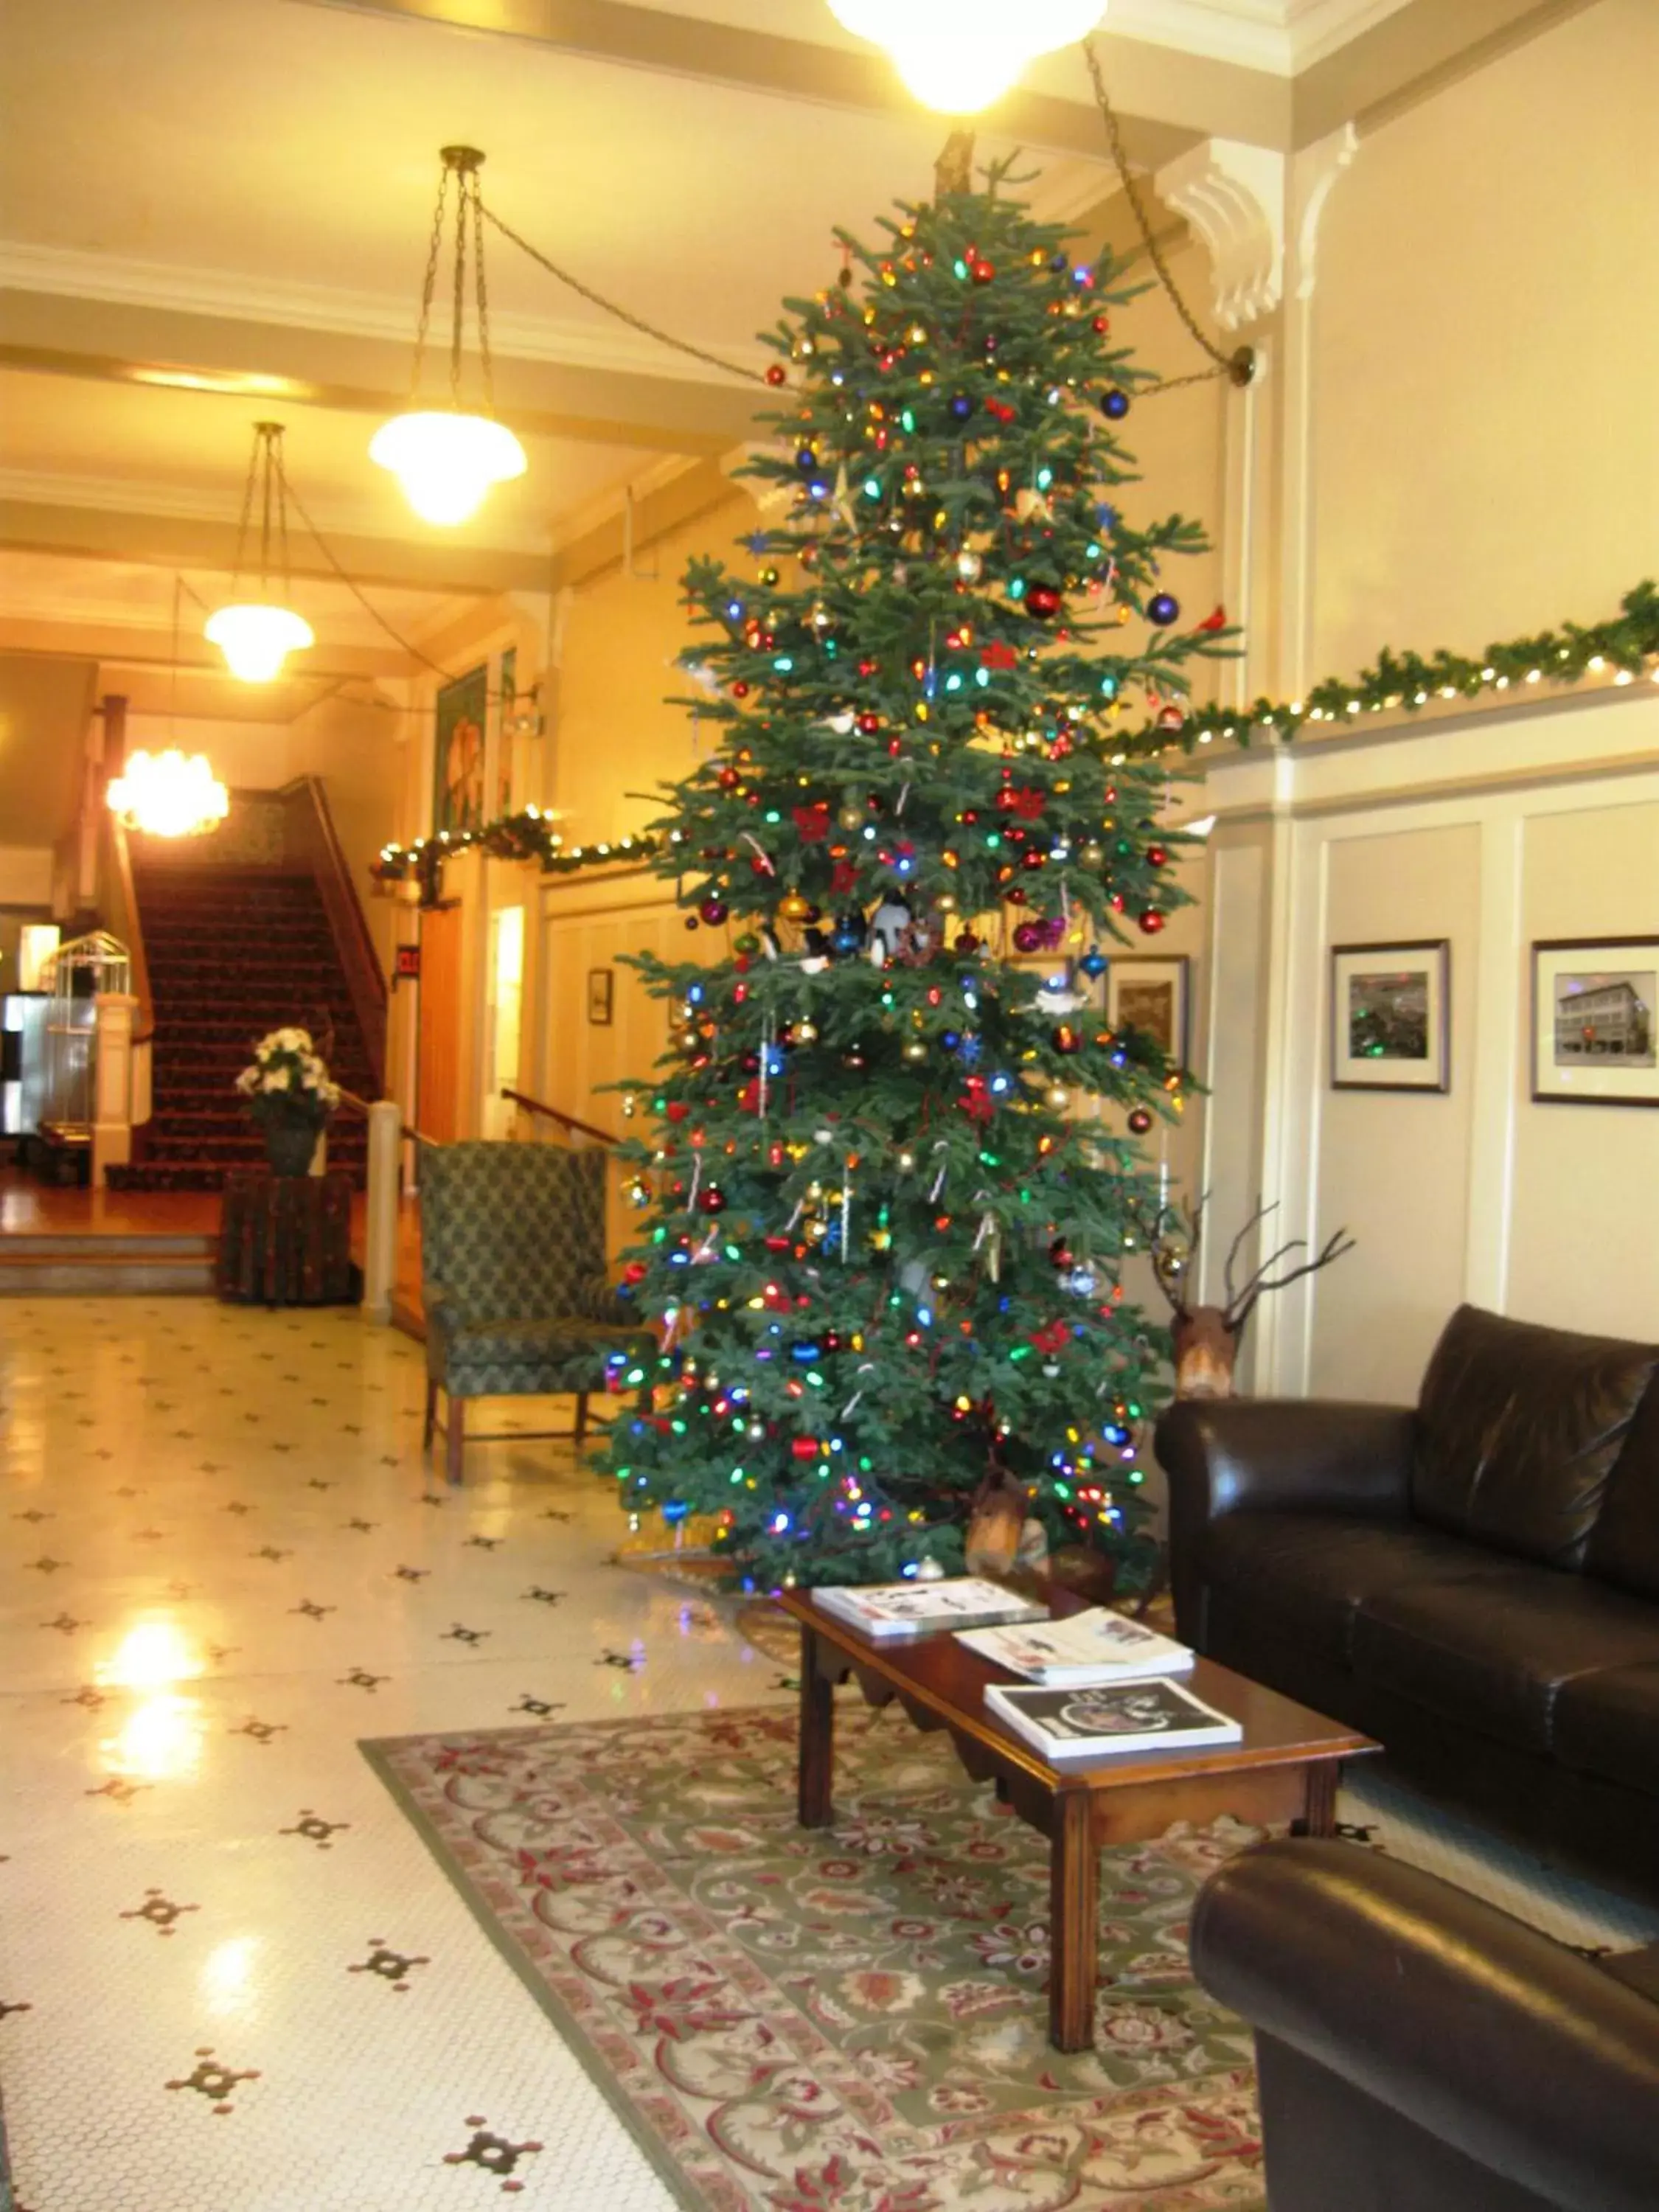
958, 55
447, 459
256, 635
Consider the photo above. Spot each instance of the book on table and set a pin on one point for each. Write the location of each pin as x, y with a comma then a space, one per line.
1096, 1646
1113, 1717
883, 1610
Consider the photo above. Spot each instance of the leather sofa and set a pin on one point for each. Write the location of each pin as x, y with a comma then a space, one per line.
1474, 1580
1419, 2052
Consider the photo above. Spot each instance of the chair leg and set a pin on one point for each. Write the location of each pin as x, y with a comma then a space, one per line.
431, 1422
581, 1417
455, 1438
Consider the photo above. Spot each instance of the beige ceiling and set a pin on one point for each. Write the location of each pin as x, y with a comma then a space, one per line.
217, 210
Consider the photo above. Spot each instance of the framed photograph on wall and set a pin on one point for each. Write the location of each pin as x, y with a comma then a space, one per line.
601, 996
1153, 996
1391, 1016
1595, 1021
457, 763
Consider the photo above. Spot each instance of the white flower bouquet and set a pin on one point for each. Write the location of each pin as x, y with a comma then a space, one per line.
288, 1081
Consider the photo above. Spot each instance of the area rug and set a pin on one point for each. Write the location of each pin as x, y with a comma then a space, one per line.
854, 2019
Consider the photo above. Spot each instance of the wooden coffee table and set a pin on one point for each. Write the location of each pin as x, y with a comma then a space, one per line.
1283, 1770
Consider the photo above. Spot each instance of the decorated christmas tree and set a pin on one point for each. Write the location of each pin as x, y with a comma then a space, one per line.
890, 1175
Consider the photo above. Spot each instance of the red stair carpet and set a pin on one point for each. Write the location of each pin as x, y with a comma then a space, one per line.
234, 952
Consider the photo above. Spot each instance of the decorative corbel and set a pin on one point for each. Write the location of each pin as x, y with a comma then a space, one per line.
1233, 197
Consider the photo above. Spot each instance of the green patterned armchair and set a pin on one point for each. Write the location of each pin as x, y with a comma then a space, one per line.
513, 1278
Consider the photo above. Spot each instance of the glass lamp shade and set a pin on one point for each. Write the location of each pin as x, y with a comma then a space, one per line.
166, 795
256, 639
446, 461
958, 56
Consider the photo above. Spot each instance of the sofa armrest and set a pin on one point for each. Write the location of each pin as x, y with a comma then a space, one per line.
1492, 2037
1291, 1454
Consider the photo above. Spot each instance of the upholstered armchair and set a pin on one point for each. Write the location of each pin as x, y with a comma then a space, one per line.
512, 1278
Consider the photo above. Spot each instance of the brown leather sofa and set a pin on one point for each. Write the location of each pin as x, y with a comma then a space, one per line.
1419, 2052
1474, 1581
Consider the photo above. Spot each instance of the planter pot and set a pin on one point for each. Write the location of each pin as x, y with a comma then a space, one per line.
290, 1146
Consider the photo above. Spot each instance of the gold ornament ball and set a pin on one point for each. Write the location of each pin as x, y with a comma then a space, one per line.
970, 566
806, 1032
794, 907
1093, 855
916, 1049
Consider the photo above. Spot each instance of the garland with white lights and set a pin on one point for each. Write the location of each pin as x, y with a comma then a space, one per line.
1402, 682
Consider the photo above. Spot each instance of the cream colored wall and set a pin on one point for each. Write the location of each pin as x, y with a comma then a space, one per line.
1486, 333
1389, 1158
1494, 831
1584, 1234
615, 734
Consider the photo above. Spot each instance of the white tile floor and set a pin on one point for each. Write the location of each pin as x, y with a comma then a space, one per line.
220, 1566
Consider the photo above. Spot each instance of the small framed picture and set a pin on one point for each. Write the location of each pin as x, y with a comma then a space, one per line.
1152, 995
1595, 1021
1390, 1016
601, 996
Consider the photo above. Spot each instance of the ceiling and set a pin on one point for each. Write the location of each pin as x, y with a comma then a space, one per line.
213, 211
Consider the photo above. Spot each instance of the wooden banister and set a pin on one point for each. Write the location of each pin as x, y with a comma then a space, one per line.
556, 1114
311, 836
354, 1104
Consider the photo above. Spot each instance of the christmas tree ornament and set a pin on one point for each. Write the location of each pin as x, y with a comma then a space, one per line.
1149, 922
793, 906
1043, 600
1139, 1121
714, 911
1094, 963
1163, 610
1115, 404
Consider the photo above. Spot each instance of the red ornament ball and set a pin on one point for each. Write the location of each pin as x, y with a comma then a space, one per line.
713, 1199
1157, 856
1140, 1120
713, 911
1151, 923
869, 724
1028, 938
1043, 601
777, 374
803, 1448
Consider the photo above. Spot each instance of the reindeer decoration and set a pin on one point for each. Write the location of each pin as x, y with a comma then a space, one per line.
1207, 1338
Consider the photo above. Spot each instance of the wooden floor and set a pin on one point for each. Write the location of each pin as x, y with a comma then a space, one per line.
28, 1208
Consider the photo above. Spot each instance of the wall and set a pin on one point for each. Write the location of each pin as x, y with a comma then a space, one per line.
1494, 831
1487, 449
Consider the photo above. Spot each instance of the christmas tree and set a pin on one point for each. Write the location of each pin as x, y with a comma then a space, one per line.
884, 1247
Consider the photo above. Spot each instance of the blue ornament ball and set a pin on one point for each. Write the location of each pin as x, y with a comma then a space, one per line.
1162, 609
806, 461
962, 407
1114, 404
1094, 963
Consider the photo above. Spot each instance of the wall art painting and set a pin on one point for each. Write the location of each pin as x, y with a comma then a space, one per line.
458, 773
1595, 1021
1391, 1016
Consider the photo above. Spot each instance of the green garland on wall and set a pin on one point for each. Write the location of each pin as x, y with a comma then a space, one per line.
1399, 682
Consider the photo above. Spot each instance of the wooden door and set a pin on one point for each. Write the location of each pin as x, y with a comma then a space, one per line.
438, 1072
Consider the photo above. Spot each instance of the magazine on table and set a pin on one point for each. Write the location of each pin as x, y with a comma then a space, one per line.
1113, 1717
1096, 1646
918, 1608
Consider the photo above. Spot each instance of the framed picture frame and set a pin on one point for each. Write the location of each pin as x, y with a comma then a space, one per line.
461, 722
1391, 1016
1595, 1021
1154, 994
601, 996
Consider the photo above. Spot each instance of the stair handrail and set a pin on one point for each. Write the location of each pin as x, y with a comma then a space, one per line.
556, 1114
122, 920
350, 1098
305, 799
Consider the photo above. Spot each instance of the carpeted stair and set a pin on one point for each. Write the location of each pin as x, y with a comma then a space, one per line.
234, 952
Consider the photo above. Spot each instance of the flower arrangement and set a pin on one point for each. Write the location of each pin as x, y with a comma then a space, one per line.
287, 1082
288, 1079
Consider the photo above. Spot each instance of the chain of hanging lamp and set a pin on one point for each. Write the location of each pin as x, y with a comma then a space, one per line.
266, 478
463, 164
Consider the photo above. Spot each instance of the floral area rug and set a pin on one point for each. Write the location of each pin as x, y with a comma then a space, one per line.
855, 2019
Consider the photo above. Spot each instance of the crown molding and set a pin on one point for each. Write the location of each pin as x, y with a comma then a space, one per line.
64, 273
1279, 37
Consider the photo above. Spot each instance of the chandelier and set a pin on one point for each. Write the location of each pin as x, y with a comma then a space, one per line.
257, 635
446, 459
960, 55
166, 795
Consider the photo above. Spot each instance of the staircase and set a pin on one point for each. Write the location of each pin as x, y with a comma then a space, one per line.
234, 952
55, 1263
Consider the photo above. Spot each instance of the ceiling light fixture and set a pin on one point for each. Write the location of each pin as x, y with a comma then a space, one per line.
257, 635
960, 55
446, 460
168, 795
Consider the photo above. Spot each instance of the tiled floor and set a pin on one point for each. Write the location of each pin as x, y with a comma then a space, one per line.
220, 1567
231, 1978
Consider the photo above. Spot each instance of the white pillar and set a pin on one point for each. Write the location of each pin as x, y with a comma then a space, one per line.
112, 1084
380, 1225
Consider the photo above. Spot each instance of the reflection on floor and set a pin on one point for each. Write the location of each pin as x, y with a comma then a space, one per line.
220, 1566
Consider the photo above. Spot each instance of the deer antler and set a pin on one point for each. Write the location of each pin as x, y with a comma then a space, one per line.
1167, 1274
1262, 1210
1260, 1281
